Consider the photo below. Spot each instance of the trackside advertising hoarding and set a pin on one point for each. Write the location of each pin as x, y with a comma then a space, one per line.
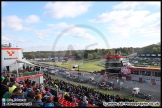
148, 55
143, 55
153, 55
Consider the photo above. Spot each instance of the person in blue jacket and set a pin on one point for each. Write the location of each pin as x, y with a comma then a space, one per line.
48, 102
85, 104
27, 91
39, 99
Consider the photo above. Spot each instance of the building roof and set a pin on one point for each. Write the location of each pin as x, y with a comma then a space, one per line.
11, 48
24, 61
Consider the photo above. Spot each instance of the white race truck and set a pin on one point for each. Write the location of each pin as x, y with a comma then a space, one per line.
136, 93
135, 90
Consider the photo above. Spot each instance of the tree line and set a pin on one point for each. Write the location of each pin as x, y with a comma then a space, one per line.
96, 53
79, 54
151, 49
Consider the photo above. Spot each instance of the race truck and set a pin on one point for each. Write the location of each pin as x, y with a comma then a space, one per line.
136, 93
110, 85
105, 86
92, 81
51, 71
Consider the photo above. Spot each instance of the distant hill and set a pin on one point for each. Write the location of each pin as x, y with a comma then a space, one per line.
136, 50
150, 49
159, 43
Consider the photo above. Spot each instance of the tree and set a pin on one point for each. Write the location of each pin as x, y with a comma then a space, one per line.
140, 51
151, 49
67, 54
37, 55
85, 54
96, 50
112, 51
80, 55
125, 50
159, 50
130, 50
90, 56
54, 54
29, 56
109, 52
32, 56
73, 53
94, 55
103, 52
154, 50
99, 52
26, 55
119, 52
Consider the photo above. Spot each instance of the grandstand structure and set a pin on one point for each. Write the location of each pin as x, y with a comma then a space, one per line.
114, 63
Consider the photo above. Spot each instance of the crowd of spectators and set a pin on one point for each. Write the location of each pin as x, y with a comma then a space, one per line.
37, 94
40, 95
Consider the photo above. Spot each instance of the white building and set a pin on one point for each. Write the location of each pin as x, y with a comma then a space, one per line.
12, 58
143, 74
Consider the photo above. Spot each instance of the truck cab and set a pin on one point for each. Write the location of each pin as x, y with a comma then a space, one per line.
135, 90
136, 93
75, 76
51, 71
91, 78
110, 83
102, 84
68, 74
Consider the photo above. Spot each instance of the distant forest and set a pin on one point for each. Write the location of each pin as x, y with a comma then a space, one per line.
151, 49
92, 54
